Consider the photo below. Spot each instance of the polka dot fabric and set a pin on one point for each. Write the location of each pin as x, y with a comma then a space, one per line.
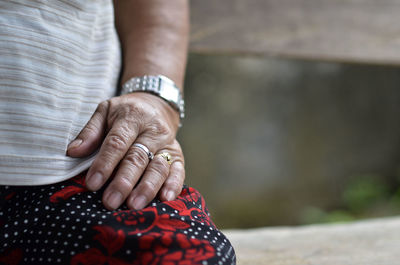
65, 223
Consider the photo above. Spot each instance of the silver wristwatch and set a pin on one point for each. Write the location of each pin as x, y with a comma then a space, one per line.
158, 85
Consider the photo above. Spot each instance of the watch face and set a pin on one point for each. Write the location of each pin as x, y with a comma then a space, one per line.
169, 93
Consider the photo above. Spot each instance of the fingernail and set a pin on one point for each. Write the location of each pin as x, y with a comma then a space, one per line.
94, 182
75, 143
139, 202
114, 199
170, 195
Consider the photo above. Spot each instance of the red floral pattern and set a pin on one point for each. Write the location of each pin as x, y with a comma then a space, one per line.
69, 191
111, 240
173, 249
147, 219
178, 232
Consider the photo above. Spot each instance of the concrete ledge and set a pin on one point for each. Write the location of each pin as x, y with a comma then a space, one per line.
372, 242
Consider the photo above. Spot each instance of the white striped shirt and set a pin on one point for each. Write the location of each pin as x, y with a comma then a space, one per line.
58, 60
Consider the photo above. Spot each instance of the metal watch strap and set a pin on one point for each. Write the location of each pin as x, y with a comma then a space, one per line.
158, 85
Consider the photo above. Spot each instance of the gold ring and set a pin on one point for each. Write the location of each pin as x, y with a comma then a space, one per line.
167, 156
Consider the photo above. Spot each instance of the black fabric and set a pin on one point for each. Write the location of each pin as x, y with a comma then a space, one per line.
65, 223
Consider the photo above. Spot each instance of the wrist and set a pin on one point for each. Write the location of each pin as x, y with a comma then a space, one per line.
160, 86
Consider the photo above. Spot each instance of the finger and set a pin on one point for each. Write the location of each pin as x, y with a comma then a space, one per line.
128, 174
152, 180
174, 183
91, 135
114, 147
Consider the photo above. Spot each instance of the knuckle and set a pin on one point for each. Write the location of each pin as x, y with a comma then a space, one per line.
159, 168
91, 128
117, 142
137, 158
174, 184
124, 183
159, 127
150, 186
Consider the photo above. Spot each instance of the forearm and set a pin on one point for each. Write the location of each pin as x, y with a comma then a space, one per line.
154, 37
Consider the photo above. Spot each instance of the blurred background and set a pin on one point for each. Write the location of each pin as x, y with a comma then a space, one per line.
283, 140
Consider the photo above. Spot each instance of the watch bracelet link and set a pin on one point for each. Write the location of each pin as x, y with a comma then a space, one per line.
160, 86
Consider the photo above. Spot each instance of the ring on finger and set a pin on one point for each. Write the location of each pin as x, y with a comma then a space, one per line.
167, 156
150, 155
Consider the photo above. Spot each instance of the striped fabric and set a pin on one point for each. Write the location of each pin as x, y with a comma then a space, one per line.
58, 60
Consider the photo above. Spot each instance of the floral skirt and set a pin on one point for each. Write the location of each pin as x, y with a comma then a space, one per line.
64, 223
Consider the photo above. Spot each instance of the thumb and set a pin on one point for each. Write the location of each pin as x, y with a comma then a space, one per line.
91, 135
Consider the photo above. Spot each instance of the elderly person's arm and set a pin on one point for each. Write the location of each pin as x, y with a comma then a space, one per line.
154, 36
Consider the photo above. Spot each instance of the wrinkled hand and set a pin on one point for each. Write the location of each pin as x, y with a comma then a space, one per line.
115, 126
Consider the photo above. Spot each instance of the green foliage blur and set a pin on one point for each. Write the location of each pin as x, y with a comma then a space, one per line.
364, 197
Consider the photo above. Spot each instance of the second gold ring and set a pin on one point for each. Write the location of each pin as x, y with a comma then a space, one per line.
167, 156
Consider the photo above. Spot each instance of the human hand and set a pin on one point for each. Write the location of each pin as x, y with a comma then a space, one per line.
115, 126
